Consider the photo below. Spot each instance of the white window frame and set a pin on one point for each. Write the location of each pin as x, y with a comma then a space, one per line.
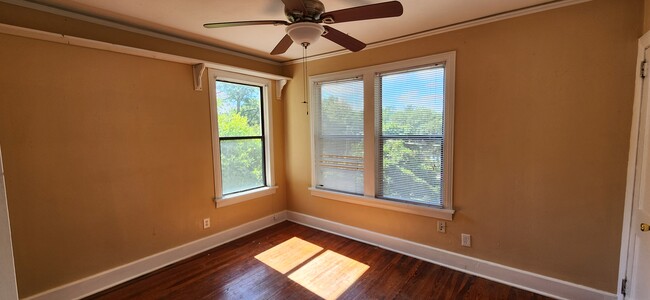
270, 187
371, 137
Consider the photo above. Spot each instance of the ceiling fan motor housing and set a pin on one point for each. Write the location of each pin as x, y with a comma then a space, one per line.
305, 33
313, 10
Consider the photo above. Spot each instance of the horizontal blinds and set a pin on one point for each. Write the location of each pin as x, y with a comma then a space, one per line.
410, 154
339, 144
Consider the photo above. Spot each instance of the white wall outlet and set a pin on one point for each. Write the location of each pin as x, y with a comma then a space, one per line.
465, 240
206, 223
442, 226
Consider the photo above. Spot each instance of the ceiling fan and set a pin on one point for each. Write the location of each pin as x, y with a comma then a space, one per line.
305, 18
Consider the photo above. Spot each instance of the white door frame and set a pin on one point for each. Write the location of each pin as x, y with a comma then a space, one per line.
644, 43
8, 286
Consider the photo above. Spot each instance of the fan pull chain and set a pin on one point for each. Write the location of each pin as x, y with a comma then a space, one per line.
304, 74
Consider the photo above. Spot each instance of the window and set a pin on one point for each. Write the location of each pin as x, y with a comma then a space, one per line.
411, 136
340, 151
382, 135
240, 127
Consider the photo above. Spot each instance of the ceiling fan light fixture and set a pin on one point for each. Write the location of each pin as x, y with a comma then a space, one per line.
305, 33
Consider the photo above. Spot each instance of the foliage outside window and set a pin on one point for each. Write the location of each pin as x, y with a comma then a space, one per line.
241, 139
391, 143
240, 120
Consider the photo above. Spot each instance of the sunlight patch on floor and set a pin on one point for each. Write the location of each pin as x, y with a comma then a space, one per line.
329, 274
288, 255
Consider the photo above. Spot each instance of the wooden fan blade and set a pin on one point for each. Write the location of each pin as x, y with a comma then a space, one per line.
365, 12
294, 5
245, 23
283, 45
343, 39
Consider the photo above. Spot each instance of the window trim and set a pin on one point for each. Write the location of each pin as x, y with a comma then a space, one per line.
420, 210
368, 74
269, 188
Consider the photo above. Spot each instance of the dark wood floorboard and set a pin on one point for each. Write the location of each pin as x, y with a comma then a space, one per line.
231, 271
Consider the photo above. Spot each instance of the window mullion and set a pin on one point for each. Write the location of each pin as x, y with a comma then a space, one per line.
369, 135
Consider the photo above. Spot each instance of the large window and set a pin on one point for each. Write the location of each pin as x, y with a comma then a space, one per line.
383, 135
240, 118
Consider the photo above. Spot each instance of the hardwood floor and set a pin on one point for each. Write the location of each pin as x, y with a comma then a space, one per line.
298, 262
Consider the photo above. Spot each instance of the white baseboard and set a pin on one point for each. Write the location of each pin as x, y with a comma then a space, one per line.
529, 281
112, 277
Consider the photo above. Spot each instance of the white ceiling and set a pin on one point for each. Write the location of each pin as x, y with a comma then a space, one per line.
185, 19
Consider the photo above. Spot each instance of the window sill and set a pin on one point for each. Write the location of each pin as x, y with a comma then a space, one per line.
245, 196
432, 212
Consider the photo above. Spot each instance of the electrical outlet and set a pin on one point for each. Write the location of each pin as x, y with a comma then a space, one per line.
206, 223
465, 240
442, 226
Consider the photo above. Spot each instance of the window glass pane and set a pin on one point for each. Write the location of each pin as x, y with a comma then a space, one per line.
412, 129
412, 102
240, 125
340, 140
242, 164
411, 169
341, 164
239, 108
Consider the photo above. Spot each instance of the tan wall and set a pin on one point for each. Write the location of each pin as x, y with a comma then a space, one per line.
543, 112
108, 159
646, 15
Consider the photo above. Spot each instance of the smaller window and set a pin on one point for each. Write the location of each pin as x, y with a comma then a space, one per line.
241, 136
240, 127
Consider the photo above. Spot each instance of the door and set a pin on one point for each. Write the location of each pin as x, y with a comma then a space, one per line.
638, 265
8, 288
